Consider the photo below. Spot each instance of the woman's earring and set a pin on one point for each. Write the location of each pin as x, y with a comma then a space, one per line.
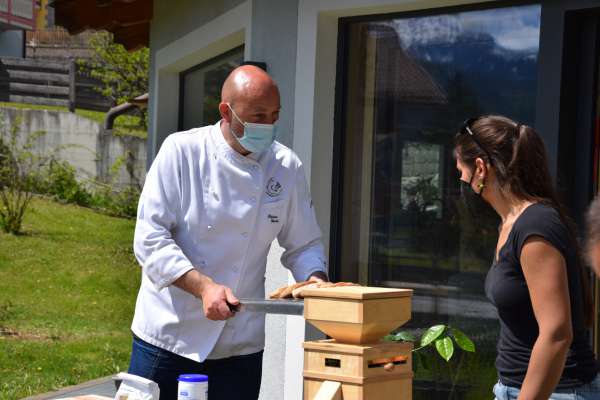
480, 185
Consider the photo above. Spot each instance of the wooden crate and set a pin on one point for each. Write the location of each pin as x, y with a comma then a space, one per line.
398, 389
357, 314
361, 369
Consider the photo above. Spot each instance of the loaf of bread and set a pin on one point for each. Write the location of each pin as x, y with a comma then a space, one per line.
295, 291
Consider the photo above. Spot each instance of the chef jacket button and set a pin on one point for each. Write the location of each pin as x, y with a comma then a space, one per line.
253, 199
255, 167
235, 268
209, 227
245, 234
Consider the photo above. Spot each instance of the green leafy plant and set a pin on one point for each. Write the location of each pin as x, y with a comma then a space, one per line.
443, 337
20, 167
59, 180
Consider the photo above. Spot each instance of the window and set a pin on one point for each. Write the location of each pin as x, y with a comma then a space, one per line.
201, 89
408, 83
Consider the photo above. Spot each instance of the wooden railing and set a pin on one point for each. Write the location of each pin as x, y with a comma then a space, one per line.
48, 82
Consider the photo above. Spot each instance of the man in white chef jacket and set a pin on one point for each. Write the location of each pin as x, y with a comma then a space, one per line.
214, 200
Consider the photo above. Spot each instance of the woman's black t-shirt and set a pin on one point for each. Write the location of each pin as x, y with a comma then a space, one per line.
506, 287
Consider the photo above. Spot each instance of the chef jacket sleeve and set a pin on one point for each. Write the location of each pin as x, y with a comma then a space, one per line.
162, 260
301, 236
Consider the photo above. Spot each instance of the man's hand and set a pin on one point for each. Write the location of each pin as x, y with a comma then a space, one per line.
318, 277
215, 297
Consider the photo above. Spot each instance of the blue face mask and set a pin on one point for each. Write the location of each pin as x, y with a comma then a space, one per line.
257, 137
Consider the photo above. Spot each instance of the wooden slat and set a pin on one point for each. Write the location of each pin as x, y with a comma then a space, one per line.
16, 63
357, 292
329, 390
32, 76
13, 98
86, 84
38, 89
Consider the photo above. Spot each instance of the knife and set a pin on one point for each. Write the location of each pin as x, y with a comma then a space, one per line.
277, 306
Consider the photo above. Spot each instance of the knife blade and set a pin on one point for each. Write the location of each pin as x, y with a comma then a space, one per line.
277, 306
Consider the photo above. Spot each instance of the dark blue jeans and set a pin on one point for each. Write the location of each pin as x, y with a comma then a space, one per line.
229, 378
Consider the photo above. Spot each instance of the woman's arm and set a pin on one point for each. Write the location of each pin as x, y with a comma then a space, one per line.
545, 272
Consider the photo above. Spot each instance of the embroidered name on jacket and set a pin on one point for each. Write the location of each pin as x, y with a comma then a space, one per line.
273, 188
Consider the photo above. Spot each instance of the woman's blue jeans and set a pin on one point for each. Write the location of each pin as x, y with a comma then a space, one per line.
589, 391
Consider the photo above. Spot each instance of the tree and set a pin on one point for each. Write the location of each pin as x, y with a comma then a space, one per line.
123, 75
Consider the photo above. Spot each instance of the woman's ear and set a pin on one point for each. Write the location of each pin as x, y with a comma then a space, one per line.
481, 169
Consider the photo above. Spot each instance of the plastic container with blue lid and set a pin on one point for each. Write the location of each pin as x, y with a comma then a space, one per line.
192, 387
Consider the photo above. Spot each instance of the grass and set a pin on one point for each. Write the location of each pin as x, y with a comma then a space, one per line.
67, 293
125, 125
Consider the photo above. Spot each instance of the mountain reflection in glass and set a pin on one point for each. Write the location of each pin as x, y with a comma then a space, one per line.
409, 83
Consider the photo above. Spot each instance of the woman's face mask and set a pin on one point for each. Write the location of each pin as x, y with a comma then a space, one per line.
257, 137
473, 200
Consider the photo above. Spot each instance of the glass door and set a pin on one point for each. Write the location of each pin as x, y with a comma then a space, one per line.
596, 183
408, 83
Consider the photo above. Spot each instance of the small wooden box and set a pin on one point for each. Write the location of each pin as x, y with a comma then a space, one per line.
361, 369
357, 314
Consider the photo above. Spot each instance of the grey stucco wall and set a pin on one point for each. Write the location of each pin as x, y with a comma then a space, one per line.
273, 41
80, 141
172, 20
176, 18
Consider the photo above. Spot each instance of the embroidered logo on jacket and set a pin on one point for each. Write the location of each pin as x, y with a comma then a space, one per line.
273, 187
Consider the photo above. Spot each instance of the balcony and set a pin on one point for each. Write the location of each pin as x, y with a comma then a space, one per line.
17, 14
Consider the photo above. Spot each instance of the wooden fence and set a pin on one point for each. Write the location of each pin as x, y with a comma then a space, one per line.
48, 82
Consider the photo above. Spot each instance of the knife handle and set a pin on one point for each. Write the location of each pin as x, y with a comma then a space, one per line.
234, 307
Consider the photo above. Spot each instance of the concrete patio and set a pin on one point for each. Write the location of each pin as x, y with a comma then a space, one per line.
102, 388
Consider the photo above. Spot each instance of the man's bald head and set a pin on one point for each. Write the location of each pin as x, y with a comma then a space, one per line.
249, 95
248, 83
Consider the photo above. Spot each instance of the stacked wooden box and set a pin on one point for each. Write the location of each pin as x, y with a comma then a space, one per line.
355, 364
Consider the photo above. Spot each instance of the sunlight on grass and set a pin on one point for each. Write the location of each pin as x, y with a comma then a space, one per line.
67, 294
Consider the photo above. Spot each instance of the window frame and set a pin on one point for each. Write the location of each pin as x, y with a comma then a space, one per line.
337, 201
203, 65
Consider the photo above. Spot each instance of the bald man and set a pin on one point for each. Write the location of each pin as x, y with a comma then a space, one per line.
214, 200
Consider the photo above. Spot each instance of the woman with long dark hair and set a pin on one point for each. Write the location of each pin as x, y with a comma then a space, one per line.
536, 281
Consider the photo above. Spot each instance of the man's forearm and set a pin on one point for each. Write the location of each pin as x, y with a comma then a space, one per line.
193, 282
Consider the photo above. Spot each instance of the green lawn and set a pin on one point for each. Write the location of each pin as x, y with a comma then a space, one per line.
67, 293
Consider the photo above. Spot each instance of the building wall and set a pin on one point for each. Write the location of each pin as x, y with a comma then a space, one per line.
11, 43
184, 34
174, 19
80, 141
